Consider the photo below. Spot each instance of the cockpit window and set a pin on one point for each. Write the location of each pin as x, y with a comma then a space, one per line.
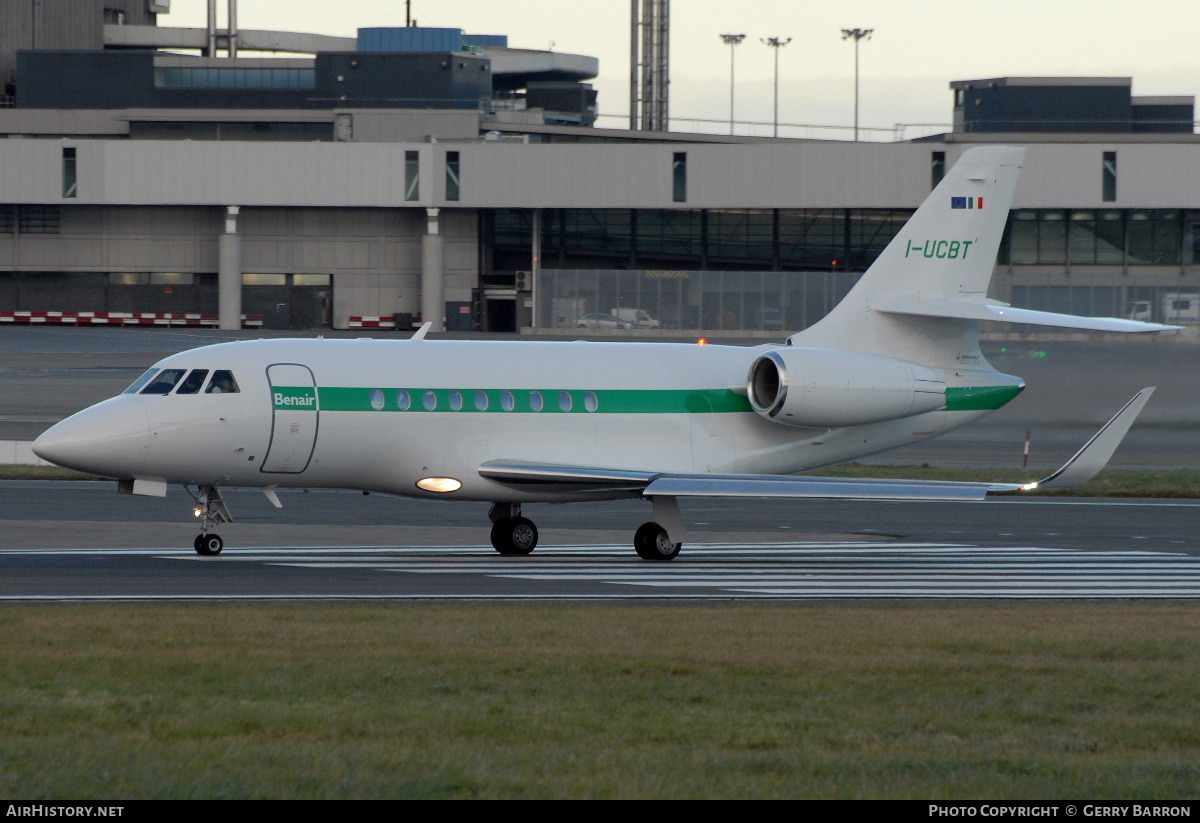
140, 383
164, 382
222, 383
192, 383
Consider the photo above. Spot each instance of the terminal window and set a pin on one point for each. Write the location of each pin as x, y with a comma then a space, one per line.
937, 167
38, 220
679, 177
68, 172
204, 77
412, 175
452, 172
1109, 183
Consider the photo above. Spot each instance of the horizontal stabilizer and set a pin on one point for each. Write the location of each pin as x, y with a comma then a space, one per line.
971, 310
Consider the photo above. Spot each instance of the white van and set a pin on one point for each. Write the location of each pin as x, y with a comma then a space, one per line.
638, 317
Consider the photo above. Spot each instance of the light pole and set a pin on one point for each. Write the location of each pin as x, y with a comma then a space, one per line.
731, 40
777, 44
857, 34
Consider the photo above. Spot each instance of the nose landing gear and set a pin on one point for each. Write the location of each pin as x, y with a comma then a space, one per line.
212, 511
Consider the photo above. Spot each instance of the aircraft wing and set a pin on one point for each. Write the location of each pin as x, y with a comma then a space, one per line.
1083, 466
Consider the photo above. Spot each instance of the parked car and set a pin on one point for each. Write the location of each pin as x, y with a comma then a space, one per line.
768, 318
602, 321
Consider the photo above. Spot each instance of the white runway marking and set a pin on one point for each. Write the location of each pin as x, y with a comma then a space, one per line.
799, 570
738, 571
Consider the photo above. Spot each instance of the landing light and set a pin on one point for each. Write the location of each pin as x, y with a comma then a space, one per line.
703, 341
439, 484
198, 511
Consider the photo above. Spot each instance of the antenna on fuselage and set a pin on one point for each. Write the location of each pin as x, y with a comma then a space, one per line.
421, 332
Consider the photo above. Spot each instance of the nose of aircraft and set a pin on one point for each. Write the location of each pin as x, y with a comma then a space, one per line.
108, 439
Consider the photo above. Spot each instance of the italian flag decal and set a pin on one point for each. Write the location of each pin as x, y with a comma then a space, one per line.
966, 202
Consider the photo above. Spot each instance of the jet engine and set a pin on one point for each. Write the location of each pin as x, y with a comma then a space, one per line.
828, 388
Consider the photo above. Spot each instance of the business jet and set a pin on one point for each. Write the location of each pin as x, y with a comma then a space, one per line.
509, 423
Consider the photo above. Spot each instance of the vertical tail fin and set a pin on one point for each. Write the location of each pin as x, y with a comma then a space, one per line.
947, 250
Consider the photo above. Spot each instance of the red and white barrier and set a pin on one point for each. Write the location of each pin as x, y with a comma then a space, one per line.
376, 322
101, 318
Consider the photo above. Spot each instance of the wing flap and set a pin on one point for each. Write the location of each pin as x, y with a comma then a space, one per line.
523, 473
829, 488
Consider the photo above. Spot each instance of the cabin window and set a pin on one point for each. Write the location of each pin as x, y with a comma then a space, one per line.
164, 382
377, 401
222, 383
140, 383
481, 400
193, 382
507, 401
564, 401
535, 401
590, 401
456, 400
430, 400
403, 400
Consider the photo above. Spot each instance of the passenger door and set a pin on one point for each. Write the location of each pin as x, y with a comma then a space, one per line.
295, 416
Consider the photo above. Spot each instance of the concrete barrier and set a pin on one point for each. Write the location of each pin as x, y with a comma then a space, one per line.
19, 453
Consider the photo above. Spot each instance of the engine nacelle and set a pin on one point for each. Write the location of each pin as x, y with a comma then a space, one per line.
827, 388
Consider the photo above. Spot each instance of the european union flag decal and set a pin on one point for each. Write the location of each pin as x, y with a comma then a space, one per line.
966, 202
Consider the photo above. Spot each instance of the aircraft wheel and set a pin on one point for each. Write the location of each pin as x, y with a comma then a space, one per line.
652, 543
514, 535
209, 544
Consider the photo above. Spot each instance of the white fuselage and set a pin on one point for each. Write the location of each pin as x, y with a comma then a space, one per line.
381, 415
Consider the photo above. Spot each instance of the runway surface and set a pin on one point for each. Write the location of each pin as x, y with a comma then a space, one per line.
81, 542
724, 571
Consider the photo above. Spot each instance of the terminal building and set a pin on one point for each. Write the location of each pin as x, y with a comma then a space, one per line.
431, 174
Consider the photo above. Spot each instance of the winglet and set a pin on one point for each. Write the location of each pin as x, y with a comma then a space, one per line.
420, 333
1095, 454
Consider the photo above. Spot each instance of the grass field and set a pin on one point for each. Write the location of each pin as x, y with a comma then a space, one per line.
1017, 701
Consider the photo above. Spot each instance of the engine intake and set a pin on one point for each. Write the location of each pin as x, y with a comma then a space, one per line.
827, 388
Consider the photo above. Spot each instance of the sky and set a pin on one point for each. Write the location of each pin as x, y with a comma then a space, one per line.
917, 47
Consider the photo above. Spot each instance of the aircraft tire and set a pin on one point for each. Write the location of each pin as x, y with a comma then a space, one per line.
514, 536
652, 543
209, 545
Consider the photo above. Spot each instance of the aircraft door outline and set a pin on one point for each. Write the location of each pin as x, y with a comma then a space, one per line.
295, 418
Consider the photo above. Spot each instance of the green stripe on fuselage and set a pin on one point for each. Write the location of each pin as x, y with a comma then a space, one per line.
980, 398
610, 401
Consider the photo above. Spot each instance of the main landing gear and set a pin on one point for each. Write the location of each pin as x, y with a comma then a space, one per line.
652, 542
212, 511
513, 534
